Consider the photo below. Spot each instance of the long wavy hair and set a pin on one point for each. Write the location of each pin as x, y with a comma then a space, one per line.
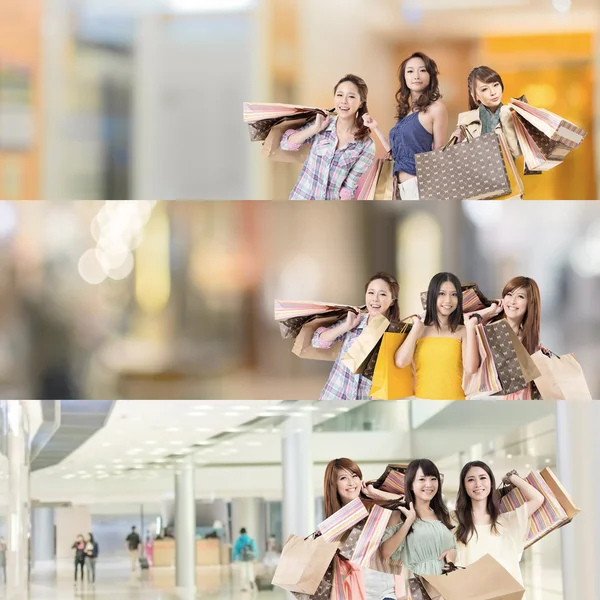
437, 503
464, 505
484, 75
362, 131
530, 326
333, 502
431, 315
429, 95
394, 310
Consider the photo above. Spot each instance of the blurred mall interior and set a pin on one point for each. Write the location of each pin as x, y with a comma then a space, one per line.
190, 474
121, 99
161, 300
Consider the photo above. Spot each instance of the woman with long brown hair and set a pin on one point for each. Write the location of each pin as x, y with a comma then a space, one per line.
521, 307
481, 528
381, 298
422, 120
420, 532
341, 146
486, 112
343, 482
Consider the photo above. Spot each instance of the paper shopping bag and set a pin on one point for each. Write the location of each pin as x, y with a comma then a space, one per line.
358, 354
324, 588
333, 527
552, 514
379, 182
485, 579
370, 539
303, 563
561, 377
348, 581
389, 381
551, 125
392, 479
534, 157
485, 380
528, 367
271, 146
303, 344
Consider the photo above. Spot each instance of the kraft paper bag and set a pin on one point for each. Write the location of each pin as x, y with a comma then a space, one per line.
271, 146
485, 579
303, 344
358, 354
561, 377
529, 368
303, 564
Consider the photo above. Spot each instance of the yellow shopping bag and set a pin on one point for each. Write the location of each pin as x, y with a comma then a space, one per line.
390, 382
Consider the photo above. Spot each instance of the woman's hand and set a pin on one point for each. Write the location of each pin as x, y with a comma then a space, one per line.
370, 122
458, 134
352, 320
418, 324
321, 123
410, 514
494, 309
449, 557
472, 320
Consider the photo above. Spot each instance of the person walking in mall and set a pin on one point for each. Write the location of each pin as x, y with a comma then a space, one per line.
133, 545
246, 552
79, 547
91, 554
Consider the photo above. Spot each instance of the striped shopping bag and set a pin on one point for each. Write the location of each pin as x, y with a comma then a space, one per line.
557, 510
535, 159
485, 381
552, 125
392, 479
288, 309
370, 538
334, 527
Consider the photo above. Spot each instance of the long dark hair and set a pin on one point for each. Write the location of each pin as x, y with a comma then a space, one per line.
464, 505
431, 316
333, 502
362, 131
530, 327
92, 540
394, 310
429, 95
485, 75
437, 503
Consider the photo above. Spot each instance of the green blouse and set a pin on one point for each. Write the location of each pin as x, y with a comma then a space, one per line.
421, 549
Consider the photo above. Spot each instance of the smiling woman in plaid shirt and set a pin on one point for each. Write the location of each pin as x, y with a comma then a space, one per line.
381, 297
341, 148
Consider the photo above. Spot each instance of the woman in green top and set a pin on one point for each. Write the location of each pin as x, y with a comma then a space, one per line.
421, 534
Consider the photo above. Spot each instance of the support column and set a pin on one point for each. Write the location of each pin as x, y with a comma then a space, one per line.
297, 467
16, 431
42, 534
578, 456
185, 528
251, 514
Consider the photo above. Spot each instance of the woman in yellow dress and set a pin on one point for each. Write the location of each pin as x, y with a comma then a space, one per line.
441, 347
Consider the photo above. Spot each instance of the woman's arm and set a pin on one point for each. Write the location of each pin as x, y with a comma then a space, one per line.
470, 347
534, 498
439, 114
395, 541
374, 127
404, 355
293, 139
324, 338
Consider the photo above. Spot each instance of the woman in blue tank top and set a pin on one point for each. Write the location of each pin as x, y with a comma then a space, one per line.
422, 121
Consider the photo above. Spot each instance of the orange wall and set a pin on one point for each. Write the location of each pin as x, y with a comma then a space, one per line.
20, 44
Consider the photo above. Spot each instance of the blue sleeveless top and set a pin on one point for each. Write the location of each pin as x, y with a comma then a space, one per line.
407, 138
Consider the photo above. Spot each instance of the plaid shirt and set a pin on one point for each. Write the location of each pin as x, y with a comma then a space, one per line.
342, 383
330, 174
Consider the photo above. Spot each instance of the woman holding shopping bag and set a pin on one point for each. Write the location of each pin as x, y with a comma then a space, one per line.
480, 527
486, 112
521, 307
420, 533
341, 146
343, 483
422, 121
381, 298
441, 347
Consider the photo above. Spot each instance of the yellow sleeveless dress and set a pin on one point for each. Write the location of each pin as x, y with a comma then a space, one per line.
439, 369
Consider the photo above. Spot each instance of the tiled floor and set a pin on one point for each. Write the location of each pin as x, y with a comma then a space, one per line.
540, 566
